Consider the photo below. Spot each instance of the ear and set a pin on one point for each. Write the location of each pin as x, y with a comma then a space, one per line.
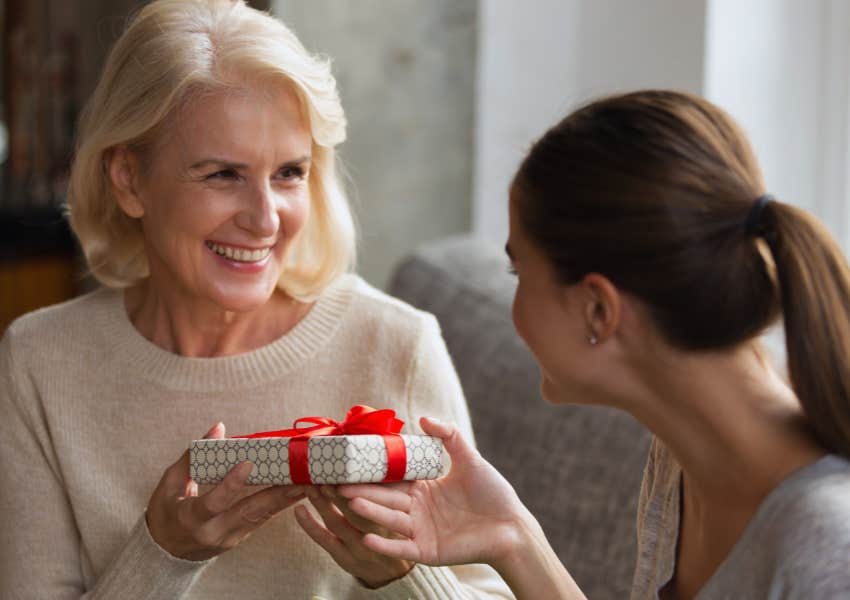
123, 169
603, 306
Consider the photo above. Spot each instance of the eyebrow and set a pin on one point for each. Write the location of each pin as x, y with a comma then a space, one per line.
508, 251
223, 162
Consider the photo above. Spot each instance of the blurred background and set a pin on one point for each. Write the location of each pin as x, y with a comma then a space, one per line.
443, 99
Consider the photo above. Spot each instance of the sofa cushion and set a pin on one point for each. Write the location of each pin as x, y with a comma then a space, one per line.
577, 468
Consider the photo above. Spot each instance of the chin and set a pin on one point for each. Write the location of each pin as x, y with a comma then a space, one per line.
550, 391
554, 393
242, 301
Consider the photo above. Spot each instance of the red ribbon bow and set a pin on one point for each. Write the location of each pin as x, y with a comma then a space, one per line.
360, 420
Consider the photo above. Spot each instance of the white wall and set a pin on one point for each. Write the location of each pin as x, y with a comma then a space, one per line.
527, 71
539, 59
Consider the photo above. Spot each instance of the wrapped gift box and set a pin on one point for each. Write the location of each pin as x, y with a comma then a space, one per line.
331, 459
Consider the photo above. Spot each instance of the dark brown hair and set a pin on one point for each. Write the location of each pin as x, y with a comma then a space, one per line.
653, 189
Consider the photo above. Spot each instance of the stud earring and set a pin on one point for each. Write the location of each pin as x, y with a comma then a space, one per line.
593, 340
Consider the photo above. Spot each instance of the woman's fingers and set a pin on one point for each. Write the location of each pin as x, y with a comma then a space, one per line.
344, 542
266, 503
395, 496
394, 548
216, 432
223, 495
334, 520
200, 527
252, 511
394, 520
317, 532
176, 477
364, 525
191, 490
436, 427
361, 524
457, 447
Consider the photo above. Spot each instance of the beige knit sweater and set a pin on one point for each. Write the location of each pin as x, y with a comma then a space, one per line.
93, 413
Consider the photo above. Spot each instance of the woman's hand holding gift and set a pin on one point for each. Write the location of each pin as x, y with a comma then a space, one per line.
196, 527
342, 537
471, 515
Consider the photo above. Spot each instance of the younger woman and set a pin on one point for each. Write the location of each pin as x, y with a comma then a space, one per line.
649, 260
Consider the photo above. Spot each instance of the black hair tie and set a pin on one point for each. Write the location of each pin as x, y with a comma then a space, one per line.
753, 226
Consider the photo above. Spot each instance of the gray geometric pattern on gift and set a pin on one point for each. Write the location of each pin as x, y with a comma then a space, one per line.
424, 457
331, 459
210, 460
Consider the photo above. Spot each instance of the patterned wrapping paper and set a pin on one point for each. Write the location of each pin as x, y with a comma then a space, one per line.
332, 459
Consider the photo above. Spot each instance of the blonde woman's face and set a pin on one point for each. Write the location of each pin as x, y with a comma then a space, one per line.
226, 196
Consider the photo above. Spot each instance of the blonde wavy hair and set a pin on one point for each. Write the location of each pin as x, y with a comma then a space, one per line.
174, 51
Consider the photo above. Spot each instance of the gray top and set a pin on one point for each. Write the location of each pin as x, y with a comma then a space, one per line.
797, 544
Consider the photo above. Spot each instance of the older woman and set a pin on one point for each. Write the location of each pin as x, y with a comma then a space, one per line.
205, 199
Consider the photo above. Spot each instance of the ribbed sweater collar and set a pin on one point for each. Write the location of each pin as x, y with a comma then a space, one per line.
145, 359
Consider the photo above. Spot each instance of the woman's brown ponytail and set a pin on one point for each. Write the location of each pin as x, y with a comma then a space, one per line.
814, 283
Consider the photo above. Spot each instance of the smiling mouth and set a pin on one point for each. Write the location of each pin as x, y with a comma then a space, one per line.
238, 254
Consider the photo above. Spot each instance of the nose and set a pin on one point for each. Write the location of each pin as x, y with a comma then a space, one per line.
260, 214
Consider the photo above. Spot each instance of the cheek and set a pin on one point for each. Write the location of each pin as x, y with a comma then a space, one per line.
516, 316
522, 313
296, 214
540, 323
179, 213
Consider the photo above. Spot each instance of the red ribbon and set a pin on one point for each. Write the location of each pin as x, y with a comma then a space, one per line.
360, 420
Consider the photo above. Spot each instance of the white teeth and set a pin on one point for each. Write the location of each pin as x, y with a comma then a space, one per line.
238, 254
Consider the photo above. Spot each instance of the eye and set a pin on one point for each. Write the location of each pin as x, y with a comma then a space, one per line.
223, 174
511, 270
291, 173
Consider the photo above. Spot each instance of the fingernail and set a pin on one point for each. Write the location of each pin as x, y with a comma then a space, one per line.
213, 429
328, 491
435, 420
294, 492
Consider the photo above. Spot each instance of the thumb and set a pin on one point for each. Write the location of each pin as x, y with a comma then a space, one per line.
176, 477
216, 432
458, 448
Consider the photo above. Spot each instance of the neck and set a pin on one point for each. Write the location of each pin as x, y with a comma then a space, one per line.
202, 329
732, 423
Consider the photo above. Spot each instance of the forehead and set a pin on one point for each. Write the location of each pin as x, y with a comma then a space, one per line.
244, 121
521, 245
514, 230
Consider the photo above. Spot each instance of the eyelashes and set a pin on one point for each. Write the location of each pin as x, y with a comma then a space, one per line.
285, 173
293, 172
223, 174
